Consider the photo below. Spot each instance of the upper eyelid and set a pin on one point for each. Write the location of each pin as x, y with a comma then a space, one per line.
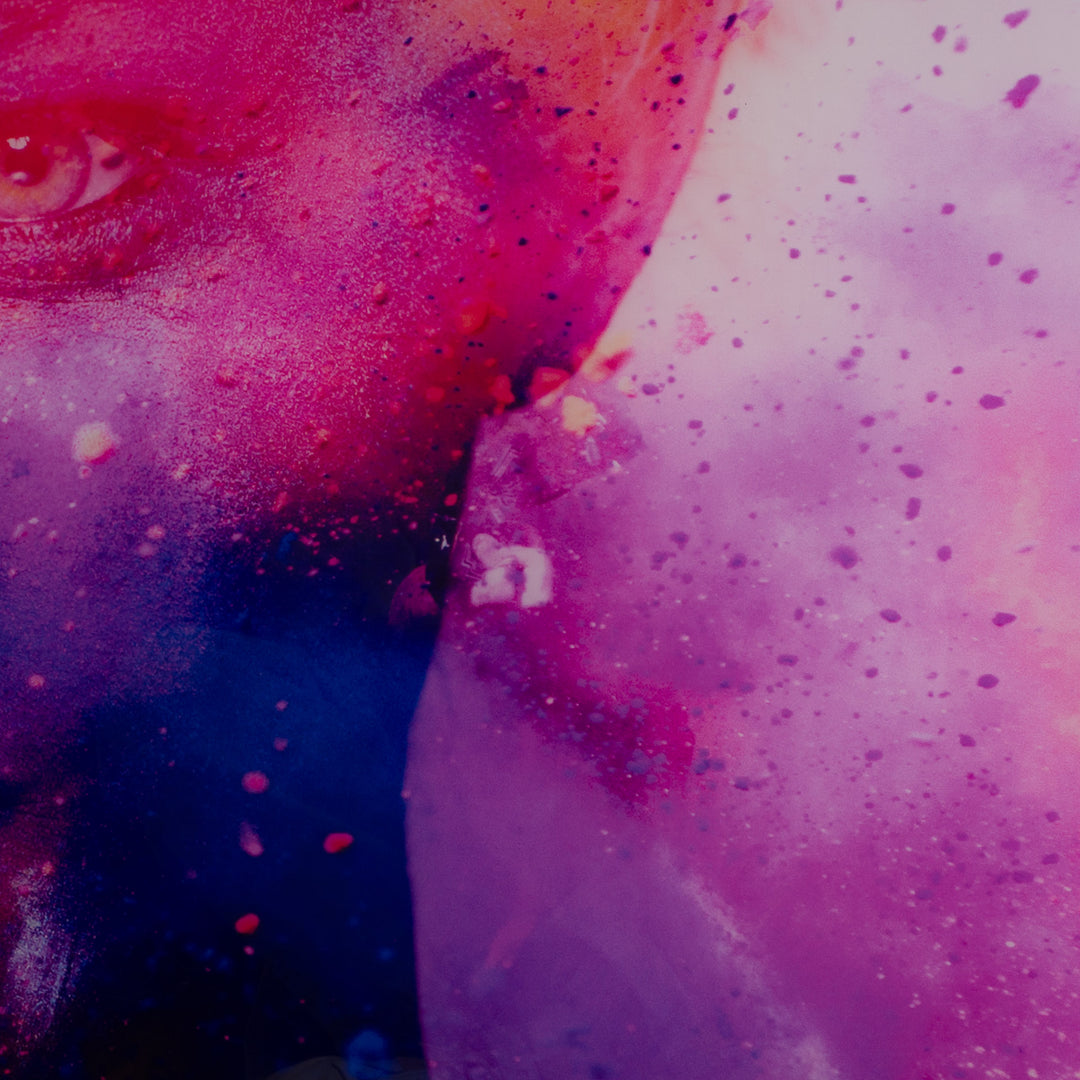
163, 127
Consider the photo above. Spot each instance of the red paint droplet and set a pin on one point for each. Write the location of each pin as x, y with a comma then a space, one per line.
247, 924
844, 556
337, 841
250, 843
1023, 89
255, 783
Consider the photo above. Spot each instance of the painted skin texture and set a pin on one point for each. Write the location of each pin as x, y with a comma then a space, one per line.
262, 267
782, 781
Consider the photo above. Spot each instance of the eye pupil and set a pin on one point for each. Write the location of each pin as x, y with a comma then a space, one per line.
24, 161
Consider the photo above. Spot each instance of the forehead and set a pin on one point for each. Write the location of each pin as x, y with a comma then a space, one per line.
198, 47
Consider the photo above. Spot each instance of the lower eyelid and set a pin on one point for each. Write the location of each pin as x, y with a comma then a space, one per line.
112, 238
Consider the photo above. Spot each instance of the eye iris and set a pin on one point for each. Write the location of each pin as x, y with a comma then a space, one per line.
40, 174
25, 161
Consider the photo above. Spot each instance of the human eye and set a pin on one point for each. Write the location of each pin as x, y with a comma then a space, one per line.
53, 164
88, 191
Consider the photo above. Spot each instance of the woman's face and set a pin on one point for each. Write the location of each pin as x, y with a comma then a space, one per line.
262, 262
264, 257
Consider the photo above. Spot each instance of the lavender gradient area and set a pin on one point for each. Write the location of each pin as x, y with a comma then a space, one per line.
749, 748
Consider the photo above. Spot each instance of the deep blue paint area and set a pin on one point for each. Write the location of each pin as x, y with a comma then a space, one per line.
168, 990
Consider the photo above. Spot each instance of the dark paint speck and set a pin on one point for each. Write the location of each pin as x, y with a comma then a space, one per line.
844, 556
1023, 89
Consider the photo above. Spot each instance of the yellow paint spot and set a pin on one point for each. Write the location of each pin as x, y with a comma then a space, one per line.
94, 443
579, 416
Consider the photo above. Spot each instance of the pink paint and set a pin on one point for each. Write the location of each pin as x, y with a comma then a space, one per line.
798, 705
255, 782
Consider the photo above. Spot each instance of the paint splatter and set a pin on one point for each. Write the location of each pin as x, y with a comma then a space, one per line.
1023, 89
247, 924
250, 843
255, 782
337, 841
94, 443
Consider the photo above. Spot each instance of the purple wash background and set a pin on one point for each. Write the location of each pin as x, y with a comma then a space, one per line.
750, 745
